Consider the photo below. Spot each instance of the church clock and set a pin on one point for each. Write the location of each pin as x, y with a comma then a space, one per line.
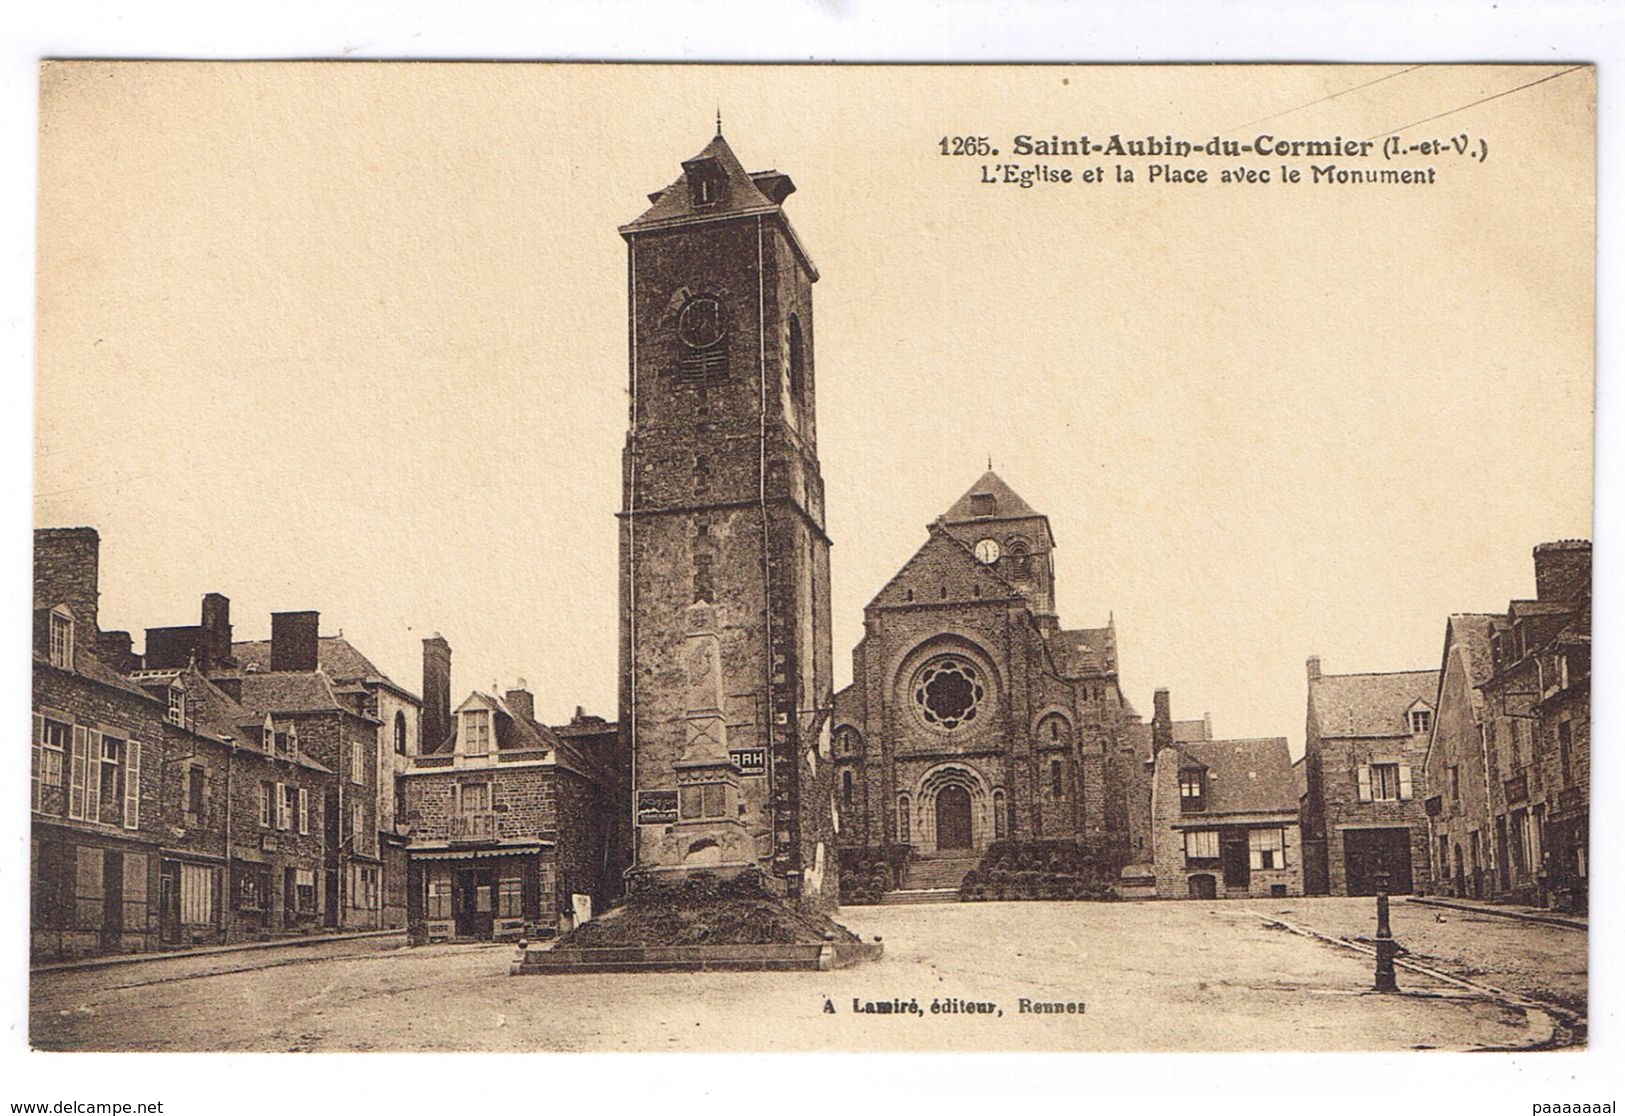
987, 552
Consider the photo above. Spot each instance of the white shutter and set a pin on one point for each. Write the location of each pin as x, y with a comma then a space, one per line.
1365, 782
1404, 782
76, 772
132, 784
281, 806
304, 810
37, 769
93, 775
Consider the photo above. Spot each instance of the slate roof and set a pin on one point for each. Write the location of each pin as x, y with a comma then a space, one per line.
278, 692
1370, 705
1189, 731
212, 712
747, 193
335, 655
1006, 504
1084, 651
1245, 776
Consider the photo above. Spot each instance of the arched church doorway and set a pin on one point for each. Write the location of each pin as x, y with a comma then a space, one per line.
953, 818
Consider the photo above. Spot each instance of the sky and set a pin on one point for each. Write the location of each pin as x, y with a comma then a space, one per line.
352, 338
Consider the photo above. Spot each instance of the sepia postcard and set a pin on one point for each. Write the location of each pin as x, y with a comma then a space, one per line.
742, 558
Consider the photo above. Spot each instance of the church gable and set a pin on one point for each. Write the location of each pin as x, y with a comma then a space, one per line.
943, 569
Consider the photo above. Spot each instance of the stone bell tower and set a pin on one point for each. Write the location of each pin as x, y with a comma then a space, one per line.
725, 677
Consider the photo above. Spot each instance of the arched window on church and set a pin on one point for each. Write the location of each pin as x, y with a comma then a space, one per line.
1057, 779
1001, 819
400, 733
1020, 556
903, 835
846, 788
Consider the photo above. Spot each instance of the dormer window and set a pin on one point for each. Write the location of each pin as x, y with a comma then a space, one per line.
707, 184
1421, 720
177, 706
1192, 797
477, 732
62, 638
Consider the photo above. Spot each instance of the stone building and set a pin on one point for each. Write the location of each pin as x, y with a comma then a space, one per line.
398, 713
242, 811
96, 762
1224, 820
1537, 742
973, 716
725, 679
509, 819
1460, 819
1365, 742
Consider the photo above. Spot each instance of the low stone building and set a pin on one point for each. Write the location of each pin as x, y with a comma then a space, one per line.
508, 820
1224, 819
1365, 744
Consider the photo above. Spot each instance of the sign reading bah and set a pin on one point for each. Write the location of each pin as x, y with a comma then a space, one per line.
750, 761
657, 807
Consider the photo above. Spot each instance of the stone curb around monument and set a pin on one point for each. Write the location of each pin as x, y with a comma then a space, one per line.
812, 957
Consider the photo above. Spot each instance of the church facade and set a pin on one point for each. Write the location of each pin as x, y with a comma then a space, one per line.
974, 716
726, 669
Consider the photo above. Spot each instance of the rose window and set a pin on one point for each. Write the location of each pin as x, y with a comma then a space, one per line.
949, 692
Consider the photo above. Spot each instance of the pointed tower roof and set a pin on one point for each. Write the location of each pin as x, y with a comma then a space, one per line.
741, 192
992, 499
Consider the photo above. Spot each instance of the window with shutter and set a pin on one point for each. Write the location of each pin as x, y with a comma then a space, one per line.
132, 784
1365, 783
79, 766
304, 810
93, 775
1404, 782
282, 806
37, 766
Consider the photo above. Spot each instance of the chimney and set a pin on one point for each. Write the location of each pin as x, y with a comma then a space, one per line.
521, 701
117, 650
1162, 722
1563, 570
216, 632
66, 560
293, 640
1314, 668
436, 722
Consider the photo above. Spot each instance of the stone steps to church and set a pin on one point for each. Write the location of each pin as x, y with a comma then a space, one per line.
937, 872
922, 895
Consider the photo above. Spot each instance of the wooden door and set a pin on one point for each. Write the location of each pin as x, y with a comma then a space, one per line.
953, 818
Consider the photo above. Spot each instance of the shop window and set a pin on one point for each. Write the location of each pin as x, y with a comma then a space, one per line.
511, 898
1201, 844
1266, 848
197, 894
437, 900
